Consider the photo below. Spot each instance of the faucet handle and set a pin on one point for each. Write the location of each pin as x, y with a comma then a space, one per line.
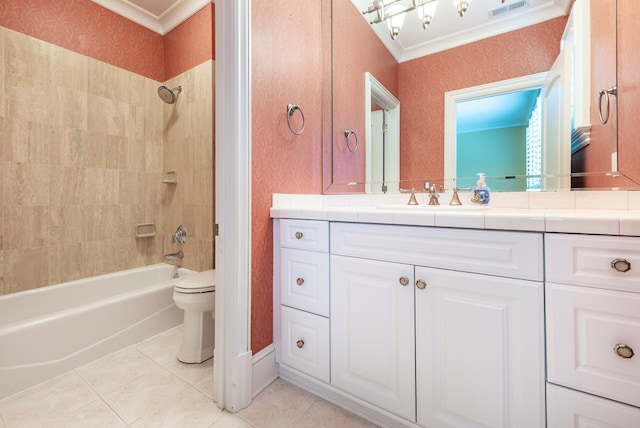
412, 199
455, 200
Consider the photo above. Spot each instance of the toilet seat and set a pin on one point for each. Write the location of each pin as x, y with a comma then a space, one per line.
201, 282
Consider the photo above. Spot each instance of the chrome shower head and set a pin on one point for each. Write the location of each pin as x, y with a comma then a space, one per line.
169, 96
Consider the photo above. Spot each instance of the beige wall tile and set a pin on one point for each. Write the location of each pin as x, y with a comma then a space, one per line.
68, 185
83, 149
68, 225
66, 262
25, 269
103, 186
26, 184
27, 57
103, 222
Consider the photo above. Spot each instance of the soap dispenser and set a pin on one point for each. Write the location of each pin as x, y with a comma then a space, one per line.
481, 192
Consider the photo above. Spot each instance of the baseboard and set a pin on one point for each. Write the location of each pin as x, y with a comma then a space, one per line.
265, 370
341, 399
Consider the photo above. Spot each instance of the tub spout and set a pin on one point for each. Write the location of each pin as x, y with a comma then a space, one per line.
171, 256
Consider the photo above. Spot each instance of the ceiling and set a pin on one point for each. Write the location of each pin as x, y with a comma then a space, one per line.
160, 16
448, 29
495, 112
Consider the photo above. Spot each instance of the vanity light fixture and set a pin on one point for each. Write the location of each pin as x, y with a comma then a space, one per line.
394, 12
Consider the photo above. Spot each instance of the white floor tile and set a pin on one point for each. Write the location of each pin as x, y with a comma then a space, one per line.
116, 370
163, 347
189, 409
145, 394
54, 399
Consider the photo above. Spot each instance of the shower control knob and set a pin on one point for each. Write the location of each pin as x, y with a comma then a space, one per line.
300, 281
300, 343
421, 284
299, 235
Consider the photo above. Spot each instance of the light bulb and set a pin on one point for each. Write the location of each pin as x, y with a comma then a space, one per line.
395, 21
426, 12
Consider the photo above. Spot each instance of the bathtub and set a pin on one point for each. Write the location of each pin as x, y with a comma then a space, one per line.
51, 330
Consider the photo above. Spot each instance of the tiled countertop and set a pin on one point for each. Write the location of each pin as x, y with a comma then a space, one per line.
558, 212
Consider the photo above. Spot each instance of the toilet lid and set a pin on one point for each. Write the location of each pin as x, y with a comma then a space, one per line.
201, 282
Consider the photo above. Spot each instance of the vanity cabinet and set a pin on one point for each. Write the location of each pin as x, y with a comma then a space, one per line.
593, 329
303, 292
415, 330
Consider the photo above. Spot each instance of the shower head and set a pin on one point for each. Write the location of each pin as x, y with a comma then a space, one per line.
169, 96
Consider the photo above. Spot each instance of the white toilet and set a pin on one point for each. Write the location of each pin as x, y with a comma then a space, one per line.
196, 296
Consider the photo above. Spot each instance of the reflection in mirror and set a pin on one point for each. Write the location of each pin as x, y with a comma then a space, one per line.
382, 124
422, 82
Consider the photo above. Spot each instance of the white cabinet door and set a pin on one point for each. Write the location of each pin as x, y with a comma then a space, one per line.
372, 332
567, 408
480, 350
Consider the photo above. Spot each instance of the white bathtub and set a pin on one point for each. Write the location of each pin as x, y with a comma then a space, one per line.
51, 330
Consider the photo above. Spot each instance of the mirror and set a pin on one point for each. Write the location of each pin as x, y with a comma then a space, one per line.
356, 50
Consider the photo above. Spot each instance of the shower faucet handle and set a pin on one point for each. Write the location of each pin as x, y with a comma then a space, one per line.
180, 235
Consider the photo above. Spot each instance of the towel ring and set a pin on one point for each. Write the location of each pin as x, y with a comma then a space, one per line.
291, 109
605, 93
347, 134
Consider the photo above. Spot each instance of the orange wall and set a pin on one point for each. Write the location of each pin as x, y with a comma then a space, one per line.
423, 82
629, 88
286, 68
191, 43
87, 28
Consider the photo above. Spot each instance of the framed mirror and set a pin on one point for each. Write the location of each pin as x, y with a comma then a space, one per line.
420, 84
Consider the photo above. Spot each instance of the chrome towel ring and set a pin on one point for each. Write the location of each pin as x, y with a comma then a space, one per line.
291, 109
605, 93
348, 133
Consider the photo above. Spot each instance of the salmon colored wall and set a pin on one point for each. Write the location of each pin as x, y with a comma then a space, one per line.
89, 29
629, 88
596, 157
423, 82
191, 43
351, 61
286, 68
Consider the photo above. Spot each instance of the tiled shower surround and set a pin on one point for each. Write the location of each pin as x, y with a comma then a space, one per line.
84, 147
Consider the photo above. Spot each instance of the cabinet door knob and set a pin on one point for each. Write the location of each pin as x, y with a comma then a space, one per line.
623, 350
299, 235
404, 281
299, 281
621, 265
421, 284
300, 343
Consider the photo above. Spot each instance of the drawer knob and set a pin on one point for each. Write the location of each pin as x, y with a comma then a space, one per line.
404, 281
300, 281
623, 350
300, 343
299, 235
421, 284
621, 265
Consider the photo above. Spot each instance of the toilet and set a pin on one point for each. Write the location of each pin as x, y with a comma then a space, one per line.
195, 294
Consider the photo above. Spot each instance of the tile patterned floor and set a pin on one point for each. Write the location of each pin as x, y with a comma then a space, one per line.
145, 386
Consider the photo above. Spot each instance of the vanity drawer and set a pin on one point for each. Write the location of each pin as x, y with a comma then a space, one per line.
304, 234
592, 336
592, 261
305, 342
509, 254
304, 282
567, 408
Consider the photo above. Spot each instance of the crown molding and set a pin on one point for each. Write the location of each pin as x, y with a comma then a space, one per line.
175, 15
